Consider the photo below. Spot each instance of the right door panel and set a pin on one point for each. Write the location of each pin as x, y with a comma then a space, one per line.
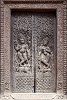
45, 52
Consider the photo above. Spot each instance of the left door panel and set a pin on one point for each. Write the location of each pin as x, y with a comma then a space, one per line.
22, 55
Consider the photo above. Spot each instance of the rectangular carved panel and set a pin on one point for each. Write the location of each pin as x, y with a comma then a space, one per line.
45, 53
33, 39
23, 80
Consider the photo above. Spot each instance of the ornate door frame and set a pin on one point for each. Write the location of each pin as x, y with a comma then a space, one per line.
8, 5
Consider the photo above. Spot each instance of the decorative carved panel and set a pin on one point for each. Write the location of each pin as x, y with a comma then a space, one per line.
23, 79
33, 52
45, 53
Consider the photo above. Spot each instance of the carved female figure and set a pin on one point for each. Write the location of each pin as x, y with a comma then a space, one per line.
45, 56
23, 55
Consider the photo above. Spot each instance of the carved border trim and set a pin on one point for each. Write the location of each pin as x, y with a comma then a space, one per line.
59, 8
65, 47
33, 1
2, 45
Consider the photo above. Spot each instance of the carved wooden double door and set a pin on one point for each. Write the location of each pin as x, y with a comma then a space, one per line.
33, 39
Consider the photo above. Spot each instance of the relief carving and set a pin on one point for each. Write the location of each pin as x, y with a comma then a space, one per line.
57, 97
7, 97
22, 73
7, 86
23, 55
45, 56
33, 52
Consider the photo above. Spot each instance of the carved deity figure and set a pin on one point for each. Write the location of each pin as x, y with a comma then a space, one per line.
23, 55
45, 56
